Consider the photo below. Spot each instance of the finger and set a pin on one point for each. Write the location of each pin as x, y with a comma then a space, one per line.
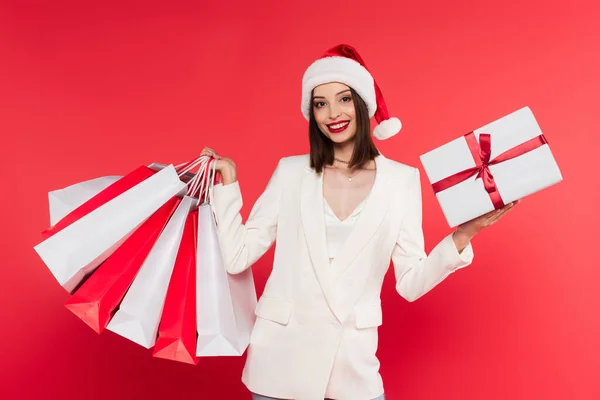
495, 218
500, 215
210, 152
488, 215
501, 209
492, 216
500, 212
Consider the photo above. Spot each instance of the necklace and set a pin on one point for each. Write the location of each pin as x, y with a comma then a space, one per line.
342, 161
344, 173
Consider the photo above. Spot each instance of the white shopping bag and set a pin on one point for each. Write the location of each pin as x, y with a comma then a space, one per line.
63, 201
225, 303
139, 313
79, 248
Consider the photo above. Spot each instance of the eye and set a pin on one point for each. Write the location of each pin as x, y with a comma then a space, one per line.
346, 99
319, 104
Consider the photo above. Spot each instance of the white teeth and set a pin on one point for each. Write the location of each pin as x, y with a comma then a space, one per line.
340, 125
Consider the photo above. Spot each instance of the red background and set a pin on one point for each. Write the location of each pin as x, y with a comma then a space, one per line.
92, 90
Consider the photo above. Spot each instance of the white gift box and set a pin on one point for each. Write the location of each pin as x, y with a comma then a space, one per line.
469, 184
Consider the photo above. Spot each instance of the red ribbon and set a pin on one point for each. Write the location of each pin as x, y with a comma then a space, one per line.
481, 152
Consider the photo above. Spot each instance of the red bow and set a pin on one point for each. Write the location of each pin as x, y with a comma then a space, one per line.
481, 152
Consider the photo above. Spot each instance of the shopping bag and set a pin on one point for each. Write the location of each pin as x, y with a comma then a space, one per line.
63, 201
100, 198
177, 330
99, 296
139, 313
225, 303
78, 245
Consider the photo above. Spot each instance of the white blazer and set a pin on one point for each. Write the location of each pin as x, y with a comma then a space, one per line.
316, 329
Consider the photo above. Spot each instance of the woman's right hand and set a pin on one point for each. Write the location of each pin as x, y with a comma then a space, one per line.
225, 166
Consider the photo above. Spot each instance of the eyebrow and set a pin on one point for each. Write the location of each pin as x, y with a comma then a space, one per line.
321, 97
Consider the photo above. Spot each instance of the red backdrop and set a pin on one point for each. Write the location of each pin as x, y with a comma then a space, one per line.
92, 90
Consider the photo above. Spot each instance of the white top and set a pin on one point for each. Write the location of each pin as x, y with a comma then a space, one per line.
337, 231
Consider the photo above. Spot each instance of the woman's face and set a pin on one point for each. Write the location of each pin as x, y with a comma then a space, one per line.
333, 109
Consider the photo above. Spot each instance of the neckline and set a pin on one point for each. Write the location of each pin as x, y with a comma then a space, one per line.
352, 214
364, 201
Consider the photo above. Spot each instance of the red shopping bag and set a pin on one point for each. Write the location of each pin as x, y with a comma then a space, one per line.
98, 298
119, 187
177, 330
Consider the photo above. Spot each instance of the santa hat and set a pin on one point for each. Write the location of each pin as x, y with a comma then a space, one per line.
343, 64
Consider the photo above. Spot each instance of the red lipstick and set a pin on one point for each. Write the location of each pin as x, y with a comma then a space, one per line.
338, 130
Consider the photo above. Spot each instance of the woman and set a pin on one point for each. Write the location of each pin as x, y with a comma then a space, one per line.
339, 215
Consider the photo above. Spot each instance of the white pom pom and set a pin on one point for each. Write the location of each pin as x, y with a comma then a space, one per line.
388, 128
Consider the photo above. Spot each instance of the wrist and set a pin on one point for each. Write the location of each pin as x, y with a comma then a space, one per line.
462, 236
463, 232
461, 240
228, 176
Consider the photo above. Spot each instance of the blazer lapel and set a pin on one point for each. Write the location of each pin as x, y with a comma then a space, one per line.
313, 222
368, 222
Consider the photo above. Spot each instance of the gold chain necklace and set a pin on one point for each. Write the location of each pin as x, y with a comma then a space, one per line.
344, 173
342, 161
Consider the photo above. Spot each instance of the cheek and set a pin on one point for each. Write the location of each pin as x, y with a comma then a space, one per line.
349, 110
320, 118
352, 130
320, 115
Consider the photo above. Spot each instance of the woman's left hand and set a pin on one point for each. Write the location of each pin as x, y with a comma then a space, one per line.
465, 231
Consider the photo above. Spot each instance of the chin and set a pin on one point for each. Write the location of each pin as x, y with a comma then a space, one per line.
340, 138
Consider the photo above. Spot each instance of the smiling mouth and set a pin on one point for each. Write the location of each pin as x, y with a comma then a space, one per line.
338, 126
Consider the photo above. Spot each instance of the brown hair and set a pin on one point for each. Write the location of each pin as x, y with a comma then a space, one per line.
321, 147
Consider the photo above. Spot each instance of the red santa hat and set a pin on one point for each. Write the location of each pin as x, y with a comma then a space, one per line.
343, 64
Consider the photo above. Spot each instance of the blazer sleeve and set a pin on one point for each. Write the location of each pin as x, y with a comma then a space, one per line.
243, 244
416, 272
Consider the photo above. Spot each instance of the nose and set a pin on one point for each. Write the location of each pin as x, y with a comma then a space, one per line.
334, 112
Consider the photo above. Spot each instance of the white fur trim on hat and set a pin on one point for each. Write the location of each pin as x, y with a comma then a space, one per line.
338, 69
388, 128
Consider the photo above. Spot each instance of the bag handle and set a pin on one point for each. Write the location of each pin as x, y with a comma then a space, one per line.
202, 163
211, 180
198, 179
190, 165
200, 184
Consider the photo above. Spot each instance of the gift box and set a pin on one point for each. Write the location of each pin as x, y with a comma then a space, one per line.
489, 167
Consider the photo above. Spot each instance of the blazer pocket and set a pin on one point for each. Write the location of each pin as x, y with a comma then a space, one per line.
368, 316
274, 309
